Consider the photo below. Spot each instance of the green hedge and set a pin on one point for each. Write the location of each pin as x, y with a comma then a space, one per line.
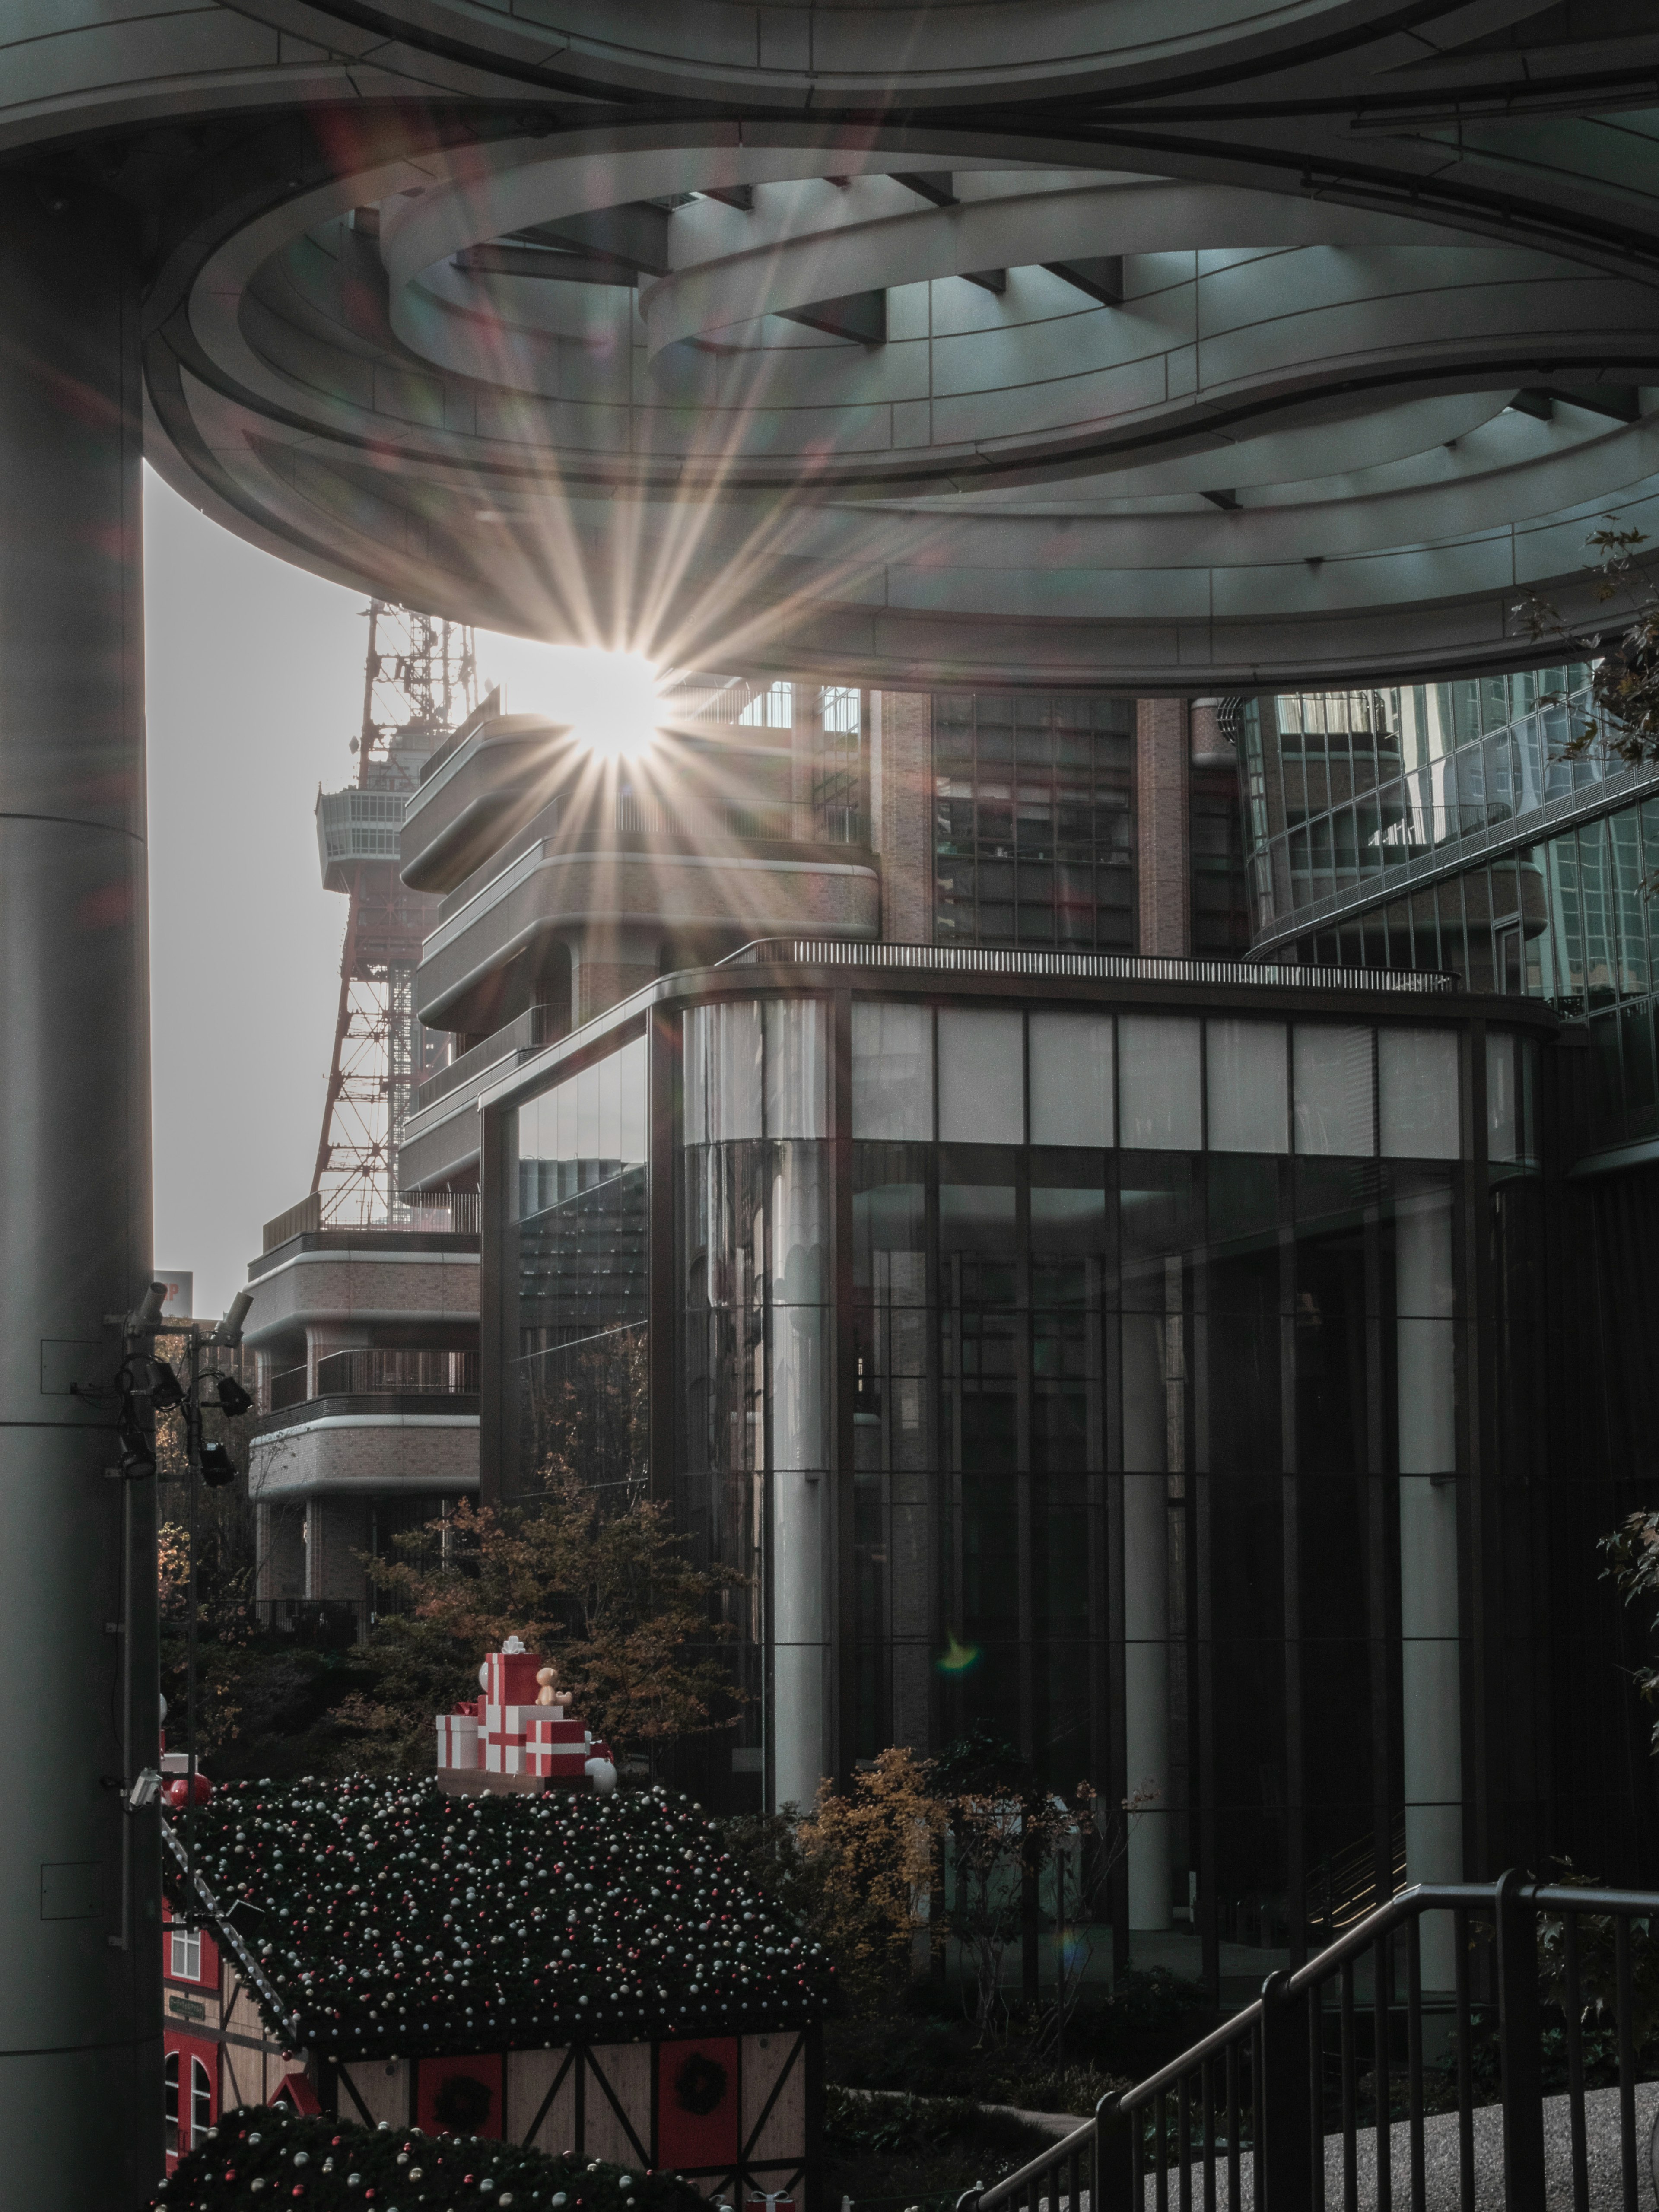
260, 2156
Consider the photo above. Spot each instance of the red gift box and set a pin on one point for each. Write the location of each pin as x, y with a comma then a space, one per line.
549, 1725
555, 1748
509, 1677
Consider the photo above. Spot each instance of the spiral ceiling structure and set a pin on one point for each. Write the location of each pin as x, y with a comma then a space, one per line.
1163, 344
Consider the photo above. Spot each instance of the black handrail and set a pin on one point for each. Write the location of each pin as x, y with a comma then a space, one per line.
1267, 2084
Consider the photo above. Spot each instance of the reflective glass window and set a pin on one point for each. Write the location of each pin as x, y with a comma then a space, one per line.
1416, 1093
892, 1072
1070, 1078
1334, 1110
1159, 1084
981, 1077
1247, 1085
797, 1068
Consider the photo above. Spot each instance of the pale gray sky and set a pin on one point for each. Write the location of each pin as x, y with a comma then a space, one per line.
255, 689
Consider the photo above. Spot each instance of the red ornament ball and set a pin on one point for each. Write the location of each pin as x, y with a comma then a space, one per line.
176, 1790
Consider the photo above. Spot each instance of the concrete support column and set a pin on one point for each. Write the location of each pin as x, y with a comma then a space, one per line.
336, 1535
1161, 775
80, 1880
610, 961
280, 1550
798, 1394
1431, 1676
902, 811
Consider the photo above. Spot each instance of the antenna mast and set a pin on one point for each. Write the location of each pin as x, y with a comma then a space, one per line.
420, 684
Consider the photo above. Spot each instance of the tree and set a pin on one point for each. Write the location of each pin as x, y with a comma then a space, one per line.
1632, 1555
871, 1849
1625, 678
609, 1594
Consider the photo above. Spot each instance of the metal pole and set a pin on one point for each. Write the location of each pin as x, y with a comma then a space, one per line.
193, 1478
80, 2014
1284, 2105
1520, 2030
1059, 1954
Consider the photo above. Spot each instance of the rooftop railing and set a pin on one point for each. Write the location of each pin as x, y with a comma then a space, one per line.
1112, 967
1323, 2093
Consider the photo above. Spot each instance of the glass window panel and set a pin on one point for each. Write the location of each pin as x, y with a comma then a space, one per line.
634, 1070
723, 1072
1333, 1068
982, 1077
563, 1103
1416, 1093
587, 1115
892, 1073
797, 1069
1158, 1083
1070, 1078
611, 1109
1503, 1106
1247, 1087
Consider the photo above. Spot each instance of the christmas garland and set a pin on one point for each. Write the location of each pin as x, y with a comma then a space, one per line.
395, 1921
262, 2155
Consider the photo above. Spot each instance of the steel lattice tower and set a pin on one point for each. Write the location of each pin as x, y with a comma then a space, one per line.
420, 684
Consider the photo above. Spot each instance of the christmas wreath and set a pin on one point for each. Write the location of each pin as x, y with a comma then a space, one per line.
261, 2156
391, 1920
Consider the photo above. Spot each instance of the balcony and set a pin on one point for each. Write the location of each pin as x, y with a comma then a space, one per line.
374, 1373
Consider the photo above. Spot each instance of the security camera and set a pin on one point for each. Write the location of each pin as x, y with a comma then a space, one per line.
165, 1388
146, 1317
218, 1467
229, 1331
144, 1791
232, 1399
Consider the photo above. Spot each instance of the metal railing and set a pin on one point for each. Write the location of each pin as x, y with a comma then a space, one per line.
1281, 2101
1116, 967
373, 1372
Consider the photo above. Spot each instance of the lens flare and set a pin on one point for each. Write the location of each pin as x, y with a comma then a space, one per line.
609, 700
957, 1658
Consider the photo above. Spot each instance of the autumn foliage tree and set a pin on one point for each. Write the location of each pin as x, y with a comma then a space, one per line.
872, 1848
607, 1594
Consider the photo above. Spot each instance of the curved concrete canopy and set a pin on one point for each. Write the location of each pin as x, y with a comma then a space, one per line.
1233, 343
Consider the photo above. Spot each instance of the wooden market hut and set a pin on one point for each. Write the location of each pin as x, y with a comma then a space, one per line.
595, 1975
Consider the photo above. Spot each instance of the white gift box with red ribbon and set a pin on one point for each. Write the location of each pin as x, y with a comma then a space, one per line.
457, 1740
505, 1729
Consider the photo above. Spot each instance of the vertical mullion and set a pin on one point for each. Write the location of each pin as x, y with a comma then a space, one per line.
1295, 1868
842, 1449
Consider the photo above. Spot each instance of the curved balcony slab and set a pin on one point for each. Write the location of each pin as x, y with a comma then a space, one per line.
548, 895
326, 1450
367, 1282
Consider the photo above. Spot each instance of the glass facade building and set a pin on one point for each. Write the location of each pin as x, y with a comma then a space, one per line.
1121, 1362
1446, 828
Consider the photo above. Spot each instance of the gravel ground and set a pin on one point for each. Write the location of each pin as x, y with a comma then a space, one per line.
1603, 2160
1603, 2157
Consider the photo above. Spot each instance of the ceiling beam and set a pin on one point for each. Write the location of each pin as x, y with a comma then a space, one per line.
860, 316
988, 280
1620, 403
1226, 500
1100, 275
508, 258
937, 185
